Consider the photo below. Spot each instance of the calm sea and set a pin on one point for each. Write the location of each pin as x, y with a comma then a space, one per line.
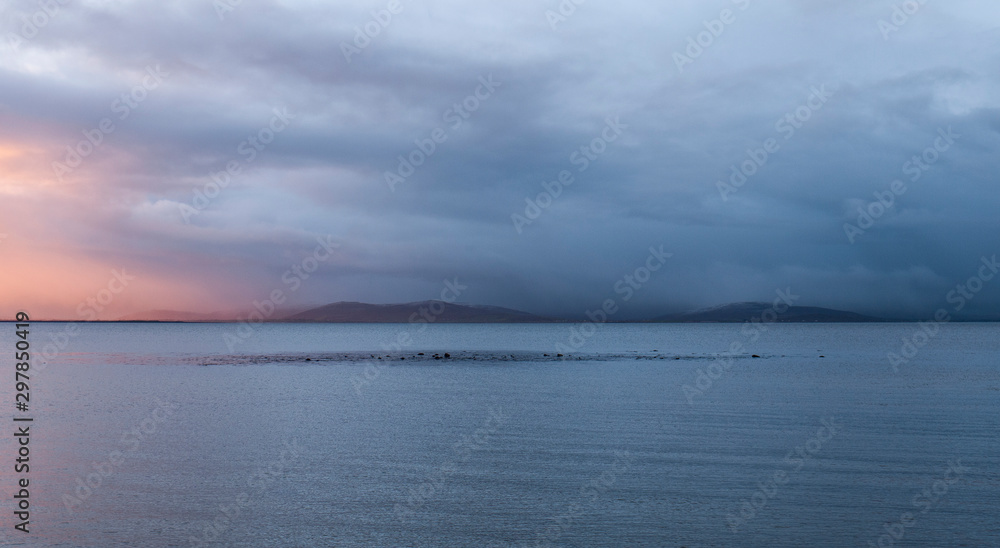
643, 435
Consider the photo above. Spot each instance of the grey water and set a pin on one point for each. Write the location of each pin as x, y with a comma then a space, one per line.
641, 435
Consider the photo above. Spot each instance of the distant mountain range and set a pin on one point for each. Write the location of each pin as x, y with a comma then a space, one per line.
431, 311
442, 312
744, 312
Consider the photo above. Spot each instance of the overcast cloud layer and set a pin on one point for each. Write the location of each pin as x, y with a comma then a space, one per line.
871, 88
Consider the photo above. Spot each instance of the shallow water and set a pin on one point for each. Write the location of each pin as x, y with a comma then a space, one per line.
501, 445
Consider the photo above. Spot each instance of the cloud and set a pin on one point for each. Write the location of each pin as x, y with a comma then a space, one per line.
325, 173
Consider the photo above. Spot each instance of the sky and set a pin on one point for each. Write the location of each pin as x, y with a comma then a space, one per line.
538, 154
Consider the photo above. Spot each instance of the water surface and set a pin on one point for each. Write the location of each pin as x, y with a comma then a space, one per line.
306, 438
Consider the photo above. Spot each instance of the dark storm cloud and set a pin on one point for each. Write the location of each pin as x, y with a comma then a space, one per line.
655, 184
